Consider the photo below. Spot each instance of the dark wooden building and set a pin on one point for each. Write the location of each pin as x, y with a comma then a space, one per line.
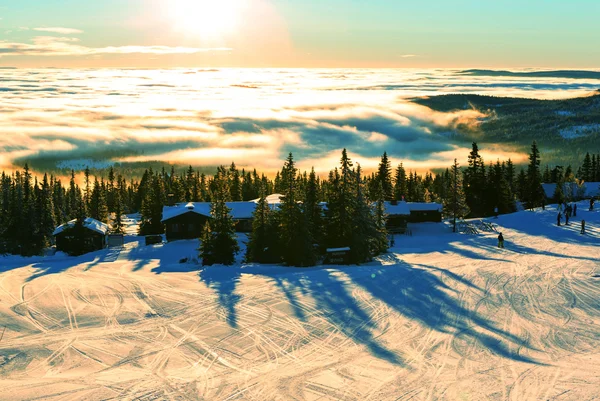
72, 238
186, 221
425, 212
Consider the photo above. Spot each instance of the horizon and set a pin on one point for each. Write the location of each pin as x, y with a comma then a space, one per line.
273, 33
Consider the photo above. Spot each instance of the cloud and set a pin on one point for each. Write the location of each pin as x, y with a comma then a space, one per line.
60, 30
409, 55
49, 116
67, 46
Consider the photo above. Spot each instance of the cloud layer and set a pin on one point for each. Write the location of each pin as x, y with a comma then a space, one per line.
69, 46
255, 117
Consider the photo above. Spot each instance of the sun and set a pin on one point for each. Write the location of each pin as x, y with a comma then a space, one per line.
205, 19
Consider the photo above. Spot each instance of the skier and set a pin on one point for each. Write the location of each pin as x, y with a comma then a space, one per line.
558, 216
591, 204
575, 210
500, 241
582, 227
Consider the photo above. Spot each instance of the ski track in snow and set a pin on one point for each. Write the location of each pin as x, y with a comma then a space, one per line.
442, 317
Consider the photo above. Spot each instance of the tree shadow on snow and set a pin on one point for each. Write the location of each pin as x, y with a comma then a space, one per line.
224, 280
417, 294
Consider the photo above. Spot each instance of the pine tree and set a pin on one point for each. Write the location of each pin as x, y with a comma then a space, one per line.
384, 177
400, 188
380, 242
474, 182
117, 226
46, 213
295, 238
586, 168
455, 204
535, 193
97, 208
312, 208
219, 242
235, 183
364, 236
262, 246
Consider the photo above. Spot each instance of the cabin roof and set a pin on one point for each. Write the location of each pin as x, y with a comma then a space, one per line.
239, 210
424, 207
89, 223
244, 210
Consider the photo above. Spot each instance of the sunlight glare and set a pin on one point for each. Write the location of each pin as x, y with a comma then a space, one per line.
206, 19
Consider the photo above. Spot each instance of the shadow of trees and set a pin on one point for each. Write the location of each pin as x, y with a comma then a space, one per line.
419, 294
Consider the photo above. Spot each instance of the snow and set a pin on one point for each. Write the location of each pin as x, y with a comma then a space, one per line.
579, 131
272, 199
82, 164
345, 249
401, 208
244, 210
89, 223
424, 207
442, 316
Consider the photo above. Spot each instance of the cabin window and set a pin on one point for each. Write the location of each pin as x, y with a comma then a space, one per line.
191, 227
175, 228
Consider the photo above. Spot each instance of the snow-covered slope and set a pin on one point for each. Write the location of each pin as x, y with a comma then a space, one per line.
443, 316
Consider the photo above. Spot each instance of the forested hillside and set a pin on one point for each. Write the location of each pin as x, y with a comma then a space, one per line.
564, 129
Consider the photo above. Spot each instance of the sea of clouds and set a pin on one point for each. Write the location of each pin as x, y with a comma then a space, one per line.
207, 117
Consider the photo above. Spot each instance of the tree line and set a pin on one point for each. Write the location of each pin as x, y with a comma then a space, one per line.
30, 209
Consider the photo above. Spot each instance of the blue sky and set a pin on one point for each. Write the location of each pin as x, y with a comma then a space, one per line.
307, 33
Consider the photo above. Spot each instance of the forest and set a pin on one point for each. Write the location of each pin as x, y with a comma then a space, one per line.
33, 204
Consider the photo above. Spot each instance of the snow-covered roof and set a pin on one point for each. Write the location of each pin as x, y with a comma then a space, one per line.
424, 207
399, 209
244, 210
271, 199
331, 250
590, 189
239, 210
89, 223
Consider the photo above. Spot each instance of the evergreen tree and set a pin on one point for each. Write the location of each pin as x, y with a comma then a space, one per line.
455, 204
535, 193
474, 182
295, 238
380, 242
117, 226
586, 168
262, 246
384, 177
312, 208
235, 183
219, 242
365, 238
97, 208
47, 223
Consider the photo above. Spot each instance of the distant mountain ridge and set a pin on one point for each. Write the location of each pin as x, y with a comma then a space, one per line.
569, 74
565, 129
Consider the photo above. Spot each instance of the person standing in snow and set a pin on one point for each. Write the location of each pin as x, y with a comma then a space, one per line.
558, 216
591, 204
500, 241
582, 227
566, 217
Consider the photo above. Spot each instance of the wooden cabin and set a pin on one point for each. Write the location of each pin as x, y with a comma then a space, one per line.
77, 239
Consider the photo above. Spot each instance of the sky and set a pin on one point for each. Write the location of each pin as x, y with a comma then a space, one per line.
300, 33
